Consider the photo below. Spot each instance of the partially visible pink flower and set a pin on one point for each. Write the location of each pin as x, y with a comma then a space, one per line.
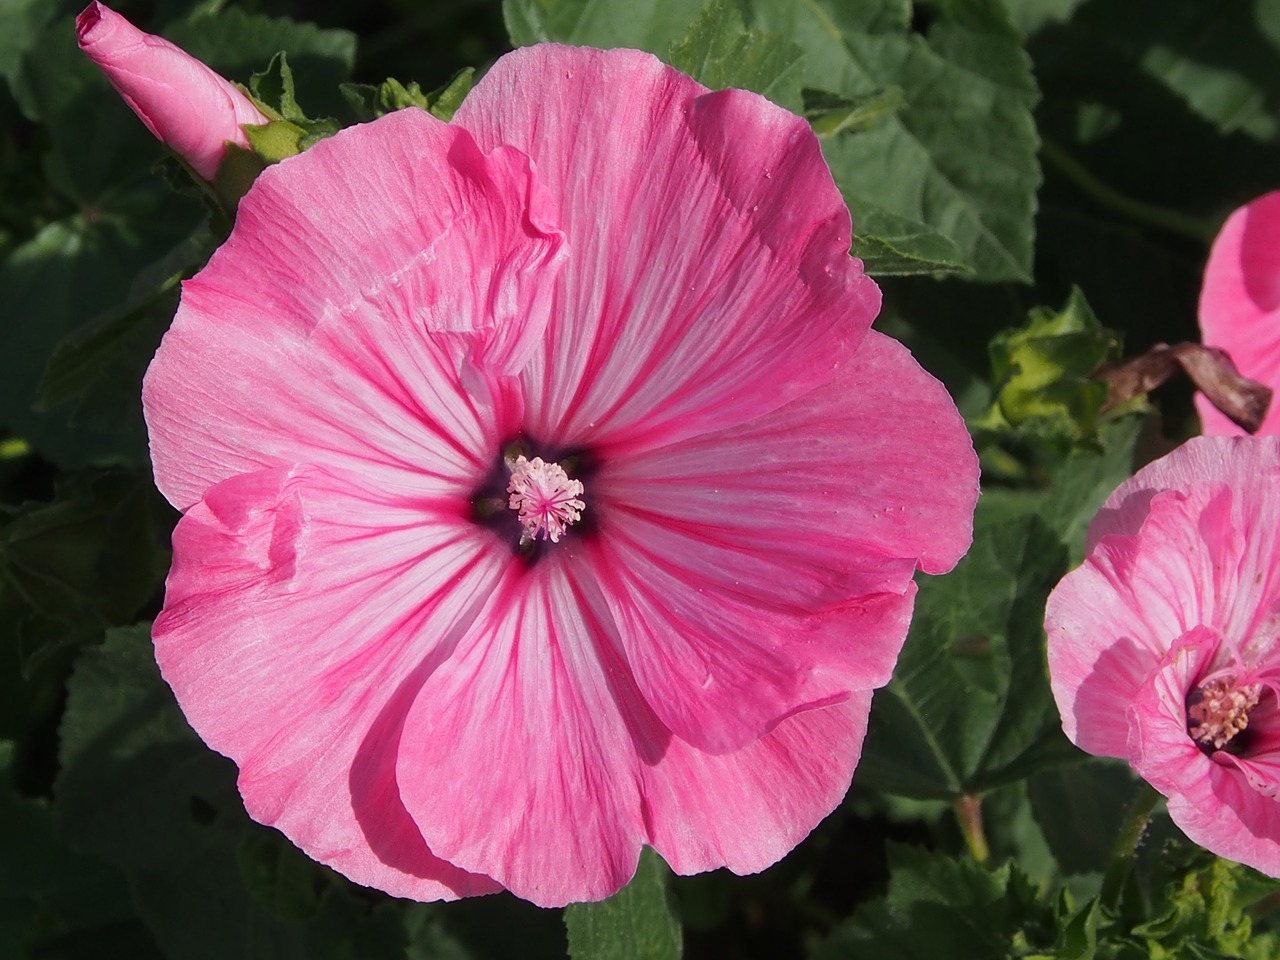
1164, 646
184, 103
546, 492
1240, 305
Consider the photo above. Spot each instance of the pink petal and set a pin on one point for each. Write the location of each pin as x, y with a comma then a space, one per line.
748, 809
709, 282
1238, 579
1198, 461
1240, 304
365, 284
1110, 620
1209, 798
301, 615
532, 758
1260, 764
765, 569
516, 754
183, 103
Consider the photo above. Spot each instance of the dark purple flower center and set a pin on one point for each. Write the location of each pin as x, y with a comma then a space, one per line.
1218, 713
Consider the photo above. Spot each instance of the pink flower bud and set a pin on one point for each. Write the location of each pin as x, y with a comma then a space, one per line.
184, 103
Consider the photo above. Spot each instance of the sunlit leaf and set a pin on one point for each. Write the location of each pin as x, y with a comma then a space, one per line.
637, 923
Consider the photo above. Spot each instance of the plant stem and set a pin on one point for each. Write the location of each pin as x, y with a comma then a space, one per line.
1131, 831
968, 809
1146, 213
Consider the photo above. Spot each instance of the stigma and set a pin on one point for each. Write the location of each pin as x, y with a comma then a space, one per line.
546, 501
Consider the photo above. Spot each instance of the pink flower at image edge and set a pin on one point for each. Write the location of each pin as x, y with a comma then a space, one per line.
183, 103
606, 304
1240, 305
1164, 646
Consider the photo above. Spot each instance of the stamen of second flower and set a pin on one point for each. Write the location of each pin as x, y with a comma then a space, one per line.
1218, 711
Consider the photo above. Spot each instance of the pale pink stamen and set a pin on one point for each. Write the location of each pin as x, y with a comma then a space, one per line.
545, 497
1219, 709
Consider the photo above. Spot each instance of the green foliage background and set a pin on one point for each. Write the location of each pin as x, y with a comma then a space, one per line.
1035, 184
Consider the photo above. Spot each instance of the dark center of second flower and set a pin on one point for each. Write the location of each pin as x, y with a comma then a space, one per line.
1218, 712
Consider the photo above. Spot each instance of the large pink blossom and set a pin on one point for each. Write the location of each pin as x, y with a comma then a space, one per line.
1240, 305
546, 493
184, 103
1164, 646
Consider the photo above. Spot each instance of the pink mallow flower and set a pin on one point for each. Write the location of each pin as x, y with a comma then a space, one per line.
545, 492
1164, 646
1240, 305
186, 105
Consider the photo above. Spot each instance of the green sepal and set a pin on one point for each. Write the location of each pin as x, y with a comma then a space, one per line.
273, 91
290, 130
280, 139
1045, 394
236, 174
370, 102
445, 101
367, 101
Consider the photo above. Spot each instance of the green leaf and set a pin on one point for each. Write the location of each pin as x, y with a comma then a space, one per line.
890, 245
1203, 912
125, 334
1080, 809
1075, 487
95, 143
21, 23
91, 558
1032, 15
281, 139
959, 156
939, 907
1078, 936
1117, 80
721, 52
72, 270
637, 923
237, 44
488, 928
48, 890
969, 706
429, 937
280, 876
140, 790
830, 114
651, 25
1214, 57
